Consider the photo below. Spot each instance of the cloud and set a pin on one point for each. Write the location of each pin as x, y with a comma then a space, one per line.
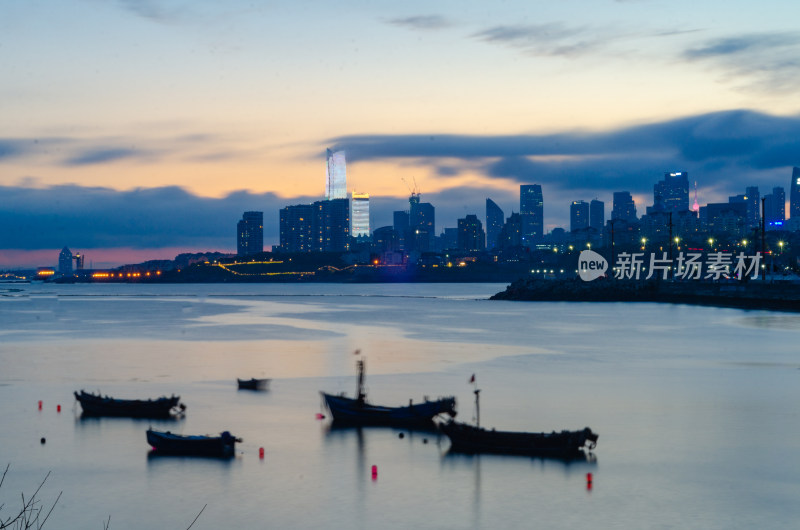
82, 151
93, 217
765, 62
422, 22
551, 39
724, 151
105, 155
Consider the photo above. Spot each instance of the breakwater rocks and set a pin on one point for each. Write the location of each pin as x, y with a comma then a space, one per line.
778, 296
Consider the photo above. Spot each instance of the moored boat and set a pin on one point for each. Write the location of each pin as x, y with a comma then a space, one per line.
357, 411
467, 438
252, 384
98, 405
176, 444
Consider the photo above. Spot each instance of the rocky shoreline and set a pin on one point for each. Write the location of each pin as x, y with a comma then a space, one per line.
776, 296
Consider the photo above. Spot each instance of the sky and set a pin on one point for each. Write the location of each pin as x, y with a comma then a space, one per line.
139, 129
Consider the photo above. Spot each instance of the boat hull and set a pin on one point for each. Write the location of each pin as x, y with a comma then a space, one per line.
351, 411
252, 384
96, 405
565, 444
174, 444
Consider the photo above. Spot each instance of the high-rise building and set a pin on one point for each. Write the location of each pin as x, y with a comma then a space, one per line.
672, 193
531, 211
511, 234
65, 262
471, 236
336, 176
794, 197
401, 224
494, 223
359, 215
753, 199
250, 234
597, 215
422, 225
331, 226
296, 226
775, 209
624, 207
578, 216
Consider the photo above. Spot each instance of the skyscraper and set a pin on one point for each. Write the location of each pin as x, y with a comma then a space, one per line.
250, 234
624, 207
470, 234
65, 262
296, 225
794, 197
775, 209
494, 223
753, 198
672, 193
422, 221
578, 216
597, 215
531, 211
331, 226
359, 215
336, 176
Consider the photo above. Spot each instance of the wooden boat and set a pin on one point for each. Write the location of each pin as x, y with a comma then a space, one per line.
97, 405
252, 384
474, 439
176, 444
357, 411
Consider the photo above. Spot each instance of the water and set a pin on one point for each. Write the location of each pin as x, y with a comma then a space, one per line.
697, 408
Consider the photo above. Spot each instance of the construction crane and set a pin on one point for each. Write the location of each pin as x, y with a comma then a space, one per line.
415, 190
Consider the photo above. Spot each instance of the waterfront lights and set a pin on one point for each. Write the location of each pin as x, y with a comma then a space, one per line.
677, 240
744, 242
711, 241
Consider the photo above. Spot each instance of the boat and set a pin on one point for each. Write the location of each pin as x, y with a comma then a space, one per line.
467, 438
252, 384
168, 443
98, 405
357, 411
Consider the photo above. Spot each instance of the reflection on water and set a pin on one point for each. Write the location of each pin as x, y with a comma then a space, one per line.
679, 393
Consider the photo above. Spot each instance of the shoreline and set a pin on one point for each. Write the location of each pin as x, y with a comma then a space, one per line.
777, 296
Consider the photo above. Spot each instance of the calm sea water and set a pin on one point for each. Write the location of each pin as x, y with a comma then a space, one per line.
698, 409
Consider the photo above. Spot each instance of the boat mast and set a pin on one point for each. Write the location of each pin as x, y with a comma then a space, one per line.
477, 407
360, 394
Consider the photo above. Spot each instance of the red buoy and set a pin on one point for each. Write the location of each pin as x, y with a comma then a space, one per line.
40, 404
320, 416
588, 481
58, 408
261, 453
374, 472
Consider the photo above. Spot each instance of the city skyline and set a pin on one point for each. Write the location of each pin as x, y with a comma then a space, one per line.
205, 111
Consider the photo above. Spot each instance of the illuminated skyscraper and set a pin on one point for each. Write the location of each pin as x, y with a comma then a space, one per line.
65, 262
531, 211
250, 234
794, 196
494, 223
359, 215
672, 193
624, 207
296, 225
470, 235
336, 181
578, 215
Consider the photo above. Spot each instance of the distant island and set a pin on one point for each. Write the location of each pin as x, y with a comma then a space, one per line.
776, 296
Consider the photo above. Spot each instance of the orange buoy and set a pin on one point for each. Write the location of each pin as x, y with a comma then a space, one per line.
261, 453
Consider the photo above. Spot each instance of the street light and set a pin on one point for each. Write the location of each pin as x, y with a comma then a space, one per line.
644, 241
710, 241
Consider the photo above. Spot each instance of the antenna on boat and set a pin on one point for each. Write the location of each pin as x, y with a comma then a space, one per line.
477, 393
361, 396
